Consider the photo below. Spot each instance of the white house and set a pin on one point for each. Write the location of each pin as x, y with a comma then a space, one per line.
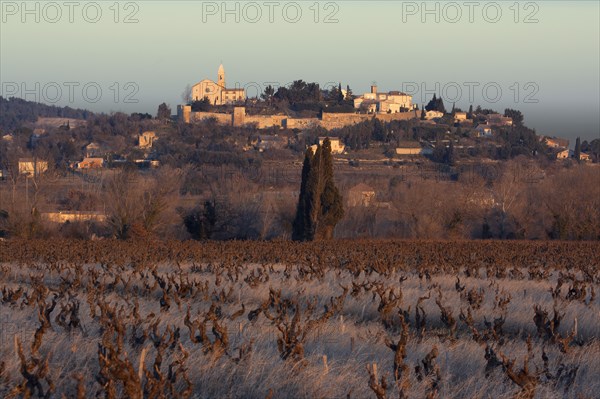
433, 114
483, 131
393, 101
555, 142
337, 147
584, 157
498, 120
460, 116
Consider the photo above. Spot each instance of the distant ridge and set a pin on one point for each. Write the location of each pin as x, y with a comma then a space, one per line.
15, 112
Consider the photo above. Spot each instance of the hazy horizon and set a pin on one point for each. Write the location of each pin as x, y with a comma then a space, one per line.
548, 69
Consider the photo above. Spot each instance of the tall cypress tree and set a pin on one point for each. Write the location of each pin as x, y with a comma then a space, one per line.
301, 221
314, 187
577, 153
320, 205
349, 96
332, 207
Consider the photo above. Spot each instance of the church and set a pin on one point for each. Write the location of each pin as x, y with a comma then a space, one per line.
217, 92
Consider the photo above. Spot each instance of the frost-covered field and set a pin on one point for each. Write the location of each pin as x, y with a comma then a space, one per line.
328, 320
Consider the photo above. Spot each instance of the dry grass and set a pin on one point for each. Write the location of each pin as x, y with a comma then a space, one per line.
249, 364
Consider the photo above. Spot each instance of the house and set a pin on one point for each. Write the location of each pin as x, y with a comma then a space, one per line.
147, 139
337, 147
90, 163
460, 116
412, 148
413, 151
74, 216
271, 142
433, 114
483, 131
555, 142
390, 102
361, 195
92, 150
584, 157
32, 167
498, 120
146, 163
564, 154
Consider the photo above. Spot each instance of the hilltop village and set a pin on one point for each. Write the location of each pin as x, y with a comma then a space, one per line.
230, 166
213, 101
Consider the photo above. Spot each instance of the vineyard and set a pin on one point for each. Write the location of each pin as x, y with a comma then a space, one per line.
331, 319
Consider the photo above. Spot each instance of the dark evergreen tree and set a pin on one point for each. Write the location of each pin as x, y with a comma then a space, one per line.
200, 223
332, 207
577, 153
314, 189
268, 94
164, 112
517, 116
320, 205
440, 105
302, 220
379, 133
486, 231
450, 156
201, 105
349, 95
436, 104
431, 104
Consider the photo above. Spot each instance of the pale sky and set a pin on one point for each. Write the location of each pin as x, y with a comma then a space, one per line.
543, 56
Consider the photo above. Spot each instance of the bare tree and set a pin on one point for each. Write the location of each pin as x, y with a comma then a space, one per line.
137, 205
506, 191
186, 95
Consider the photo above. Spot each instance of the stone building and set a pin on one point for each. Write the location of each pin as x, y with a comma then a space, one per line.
498, 120
147, 139
391, 102
90, 163
217, 92
361, 195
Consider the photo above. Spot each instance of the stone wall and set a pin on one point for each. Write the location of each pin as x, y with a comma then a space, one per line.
336, 121
239, 116
184, 113
224, 119
301, 123
329, 120
266, 121
399, 116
